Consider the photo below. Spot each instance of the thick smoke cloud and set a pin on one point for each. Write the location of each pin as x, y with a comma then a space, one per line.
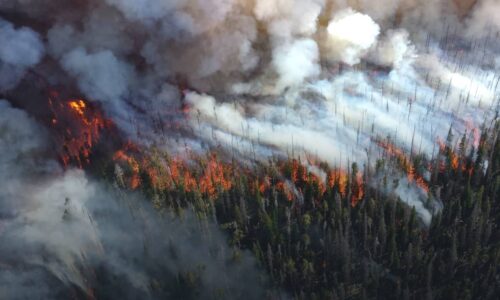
394, 50
296, 62
100, 75
287, 18
484, 20
63, 235
21, 49
261, 78
350, 36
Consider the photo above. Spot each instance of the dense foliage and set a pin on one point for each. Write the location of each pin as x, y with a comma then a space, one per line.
344, 236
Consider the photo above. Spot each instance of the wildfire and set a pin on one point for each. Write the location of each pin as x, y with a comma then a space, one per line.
283, 187
338, 178
210, 176
78, 106
79, 128
358, 192
405, 163
166, 173
455, 161
215, 175
299, 172
135, 181
180, 175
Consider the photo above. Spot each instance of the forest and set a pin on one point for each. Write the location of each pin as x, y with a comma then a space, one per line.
346, 236
249, 149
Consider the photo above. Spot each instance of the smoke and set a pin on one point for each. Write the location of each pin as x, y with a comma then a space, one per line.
394, 50
64, 235
287, 18
414, 197
101, 75
350, 36
21, 49
483, 20
395, 184
320, 79
296, 62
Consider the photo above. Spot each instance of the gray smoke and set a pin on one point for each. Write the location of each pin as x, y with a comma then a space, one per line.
64, 235
21, 48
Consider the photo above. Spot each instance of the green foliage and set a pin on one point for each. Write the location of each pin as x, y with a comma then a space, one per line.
320, 247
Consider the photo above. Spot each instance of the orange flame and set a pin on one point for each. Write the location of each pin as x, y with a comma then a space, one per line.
211, 177
358, 189
78, 106
166, 174
456, 162
406, 164
285, 189
339, 178
215, 176
79, 128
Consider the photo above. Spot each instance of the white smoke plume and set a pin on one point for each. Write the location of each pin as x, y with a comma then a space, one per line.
349, 36
296, 62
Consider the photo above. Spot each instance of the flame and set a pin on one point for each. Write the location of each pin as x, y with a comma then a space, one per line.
169, 173
406, 164
358, 192
78, 106
455, 161
215, 175
212, 177
134, 180
283, 187
180, 175
79, 128
338, 178
299, 172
